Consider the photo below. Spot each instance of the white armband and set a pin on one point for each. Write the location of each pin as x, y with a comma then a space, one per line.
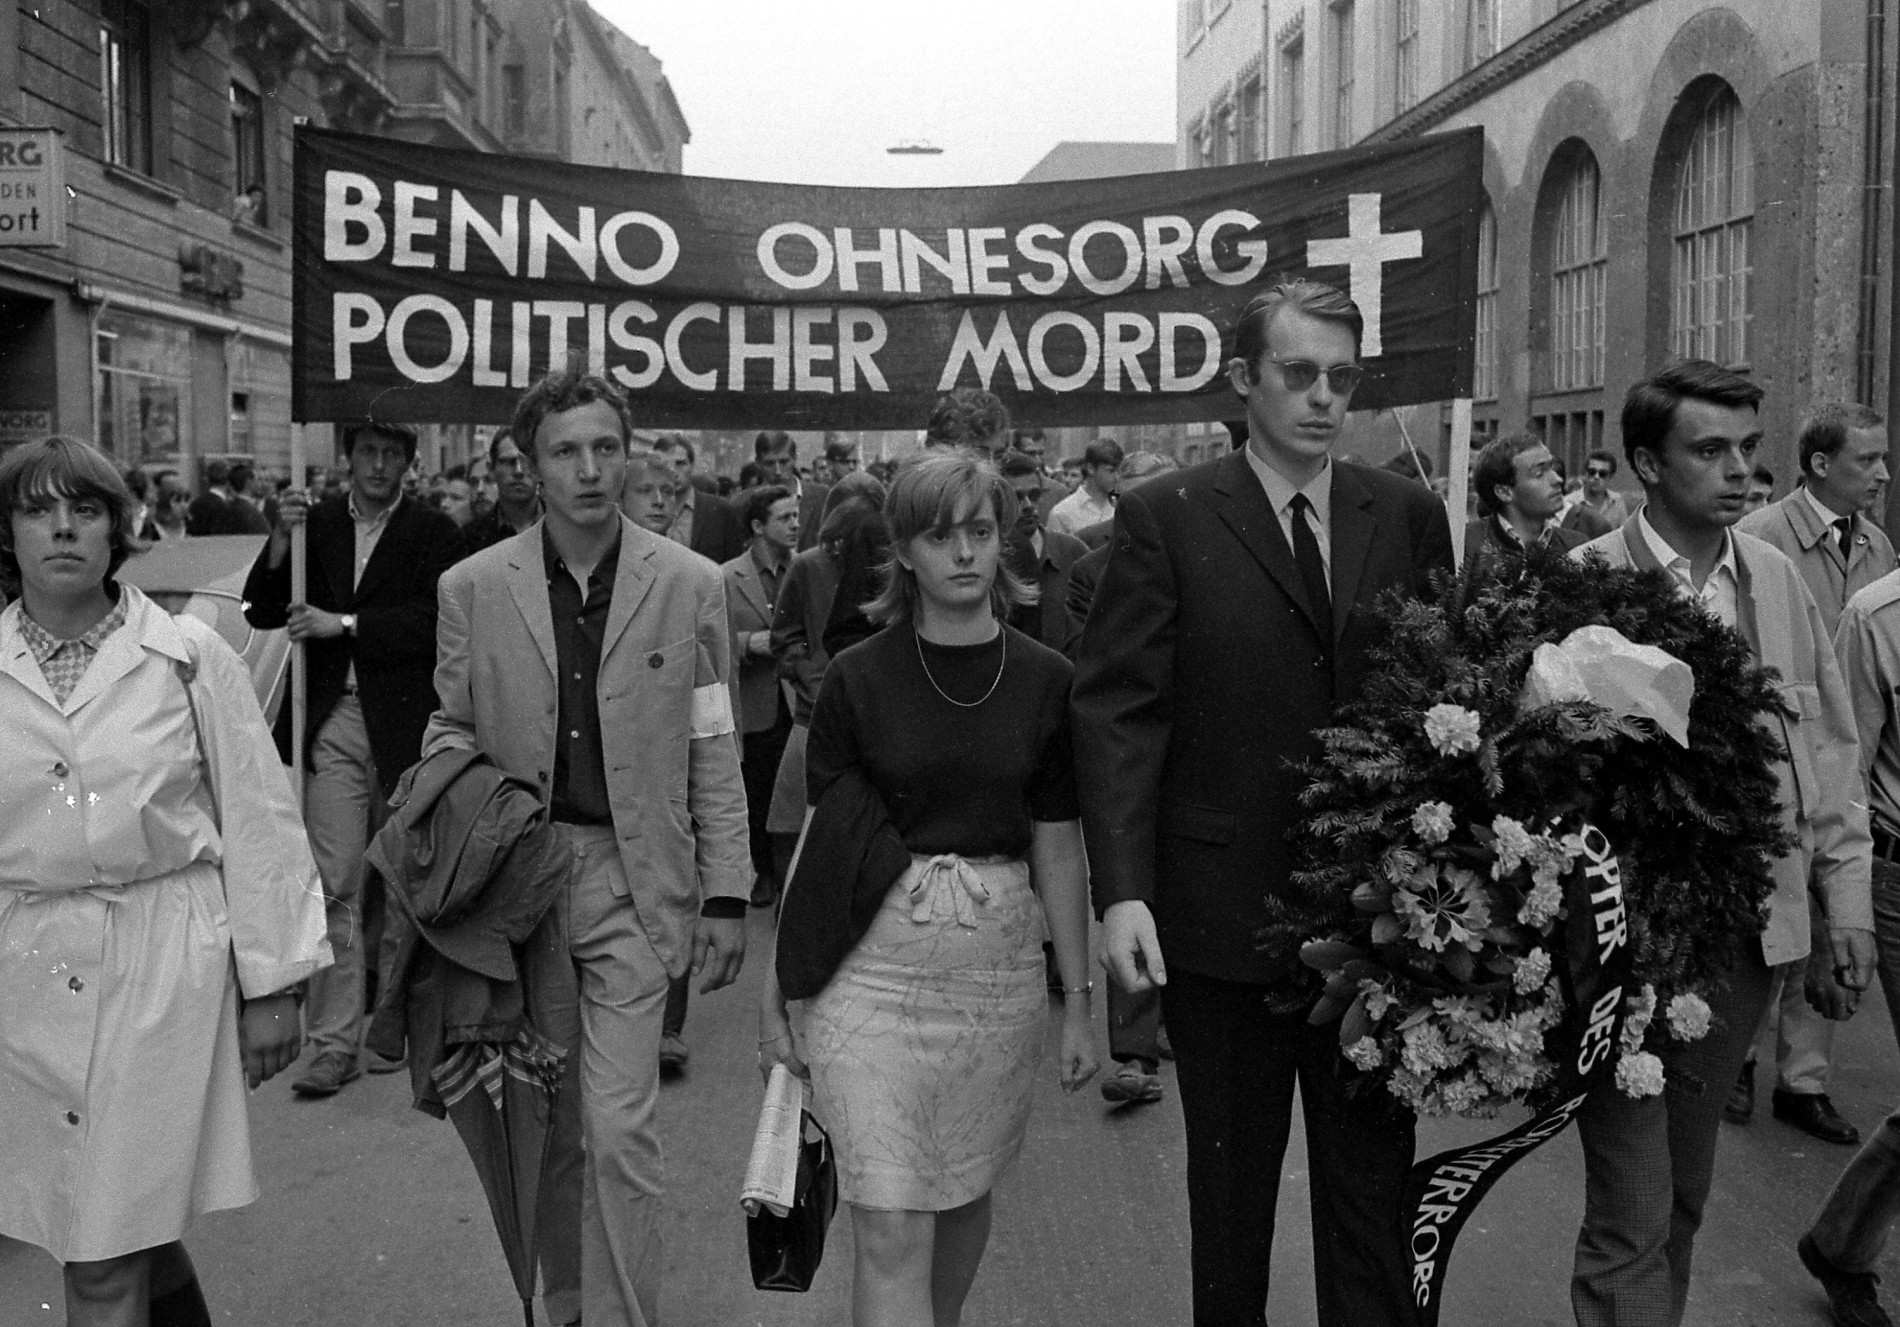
712, 711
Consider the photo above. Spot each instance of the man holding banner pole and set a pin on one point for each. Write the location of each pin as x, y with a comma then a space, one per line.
1233, 615
1691, 432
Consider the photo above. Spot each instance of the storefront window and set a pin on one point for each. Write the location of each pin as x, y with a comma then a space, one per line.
260, 404
144, 401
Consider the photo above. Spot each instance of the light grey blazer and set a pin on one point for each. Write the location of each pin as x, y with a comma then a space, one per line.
667, 737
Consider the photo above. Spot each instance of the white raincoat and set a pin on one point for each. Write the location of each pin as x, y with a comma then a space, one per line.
129, 923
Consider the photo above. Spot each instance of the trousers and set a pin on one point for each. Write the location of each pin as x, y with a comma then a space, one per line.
1648, 1164
596, 985
343, 808
1236, 1062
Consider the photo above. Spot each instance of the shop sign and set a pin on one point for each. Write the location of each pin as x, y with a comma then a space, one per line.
24, 425
32, 189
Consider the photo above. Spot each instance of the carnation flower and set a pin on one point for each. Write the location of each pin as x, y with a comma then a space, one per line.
1689, 1017
1365, 1054
1541, 904
1460, 1095
1443, 906
1639, 1075
1432, 821
1532, 971
1426, 1049
1451, 729
1514, 845
1640, 1009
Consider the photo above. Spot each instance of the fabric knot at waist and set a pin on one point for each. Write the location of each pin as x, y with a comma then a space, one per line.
948, 886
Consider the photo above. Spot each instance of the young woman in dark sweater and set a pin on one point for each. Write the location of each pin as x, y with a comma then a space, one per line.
924, 1044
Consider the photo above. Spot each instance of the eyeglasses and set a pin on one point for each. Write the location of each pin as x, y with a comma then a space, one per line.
1595, 473
1300, 374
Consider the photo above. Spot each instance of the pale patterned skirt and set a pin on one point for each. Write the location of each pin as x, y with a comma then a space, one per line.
924, 1047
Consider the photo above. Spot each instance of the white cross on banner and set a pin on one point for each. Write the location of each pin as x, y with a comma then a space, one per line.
1365, 251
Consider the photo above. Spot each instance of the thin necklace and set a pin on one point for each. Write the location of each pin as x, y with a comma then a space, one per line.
963, 704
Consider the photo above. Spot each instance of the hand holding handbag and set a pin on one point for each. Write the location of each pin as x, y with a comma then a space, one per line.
785, 1250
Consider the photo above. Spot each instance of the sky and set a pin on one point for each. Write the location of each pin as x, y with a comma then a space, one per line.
814, 91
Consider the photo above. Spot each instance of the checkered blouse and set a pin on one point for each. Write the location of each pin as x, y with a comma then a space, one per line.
64, 662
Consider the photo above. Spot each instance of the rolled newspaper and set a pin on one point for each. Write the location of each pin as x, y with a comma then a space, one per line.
771, 1173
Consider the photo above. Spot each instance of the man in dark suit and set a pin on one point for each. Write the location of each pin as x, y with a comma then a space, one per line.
218, 510
1041, 557
1519, 495
1235, 612
704, 522
776, 455
368, 627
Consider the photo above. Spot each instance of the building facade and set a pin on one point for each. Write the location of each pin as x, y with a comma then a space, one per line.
161, 326
1663, 179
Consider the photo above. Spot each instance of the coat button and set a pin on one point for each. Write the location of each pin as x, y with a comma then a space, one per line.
655, 661
77, 984
60, 769
72, 1117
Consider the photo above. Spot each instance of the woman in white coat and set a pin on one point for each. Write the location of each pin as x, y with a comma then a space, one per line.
158, 902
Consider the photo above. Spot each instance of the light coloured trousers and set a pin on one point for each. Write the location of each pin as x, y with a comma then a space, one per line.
597, 987
343, 807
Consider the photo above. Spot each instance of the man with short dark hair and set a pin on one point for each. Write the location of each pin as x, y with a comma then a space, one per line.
517, 497
1519, 495
763, 711
776, 455
1094, 501
368, 627
1691, 433
1039, 557
589, 656
1599, 508
841, 459
1824, 528
967, 417
219, 510
1235, 613
1761, 490
704, 522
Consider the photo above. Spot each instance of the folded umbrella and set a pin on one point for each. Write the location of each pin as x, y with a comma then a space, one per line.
501, 1097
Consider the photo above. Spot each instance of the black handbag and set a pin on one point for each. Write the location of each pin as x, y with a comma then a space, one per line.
786, 1250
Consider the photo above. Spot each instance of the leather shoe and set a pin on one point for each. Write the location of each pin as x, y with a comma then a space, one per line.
1132, 1082
1740, 1107
673, 1053
1853, 1297
1814, 1114
327, 1075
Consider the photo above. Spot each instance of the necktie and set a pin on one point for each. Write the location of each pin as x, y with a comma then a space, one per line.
1846, 527
1312, 567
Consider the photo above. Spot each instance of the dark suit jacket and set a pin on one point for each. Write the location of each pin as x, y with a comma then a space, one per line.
394, 645
1048, 621
1200, 680
1084, 577
811, 514
1094, 536
1485, 542
211, 514
718, 532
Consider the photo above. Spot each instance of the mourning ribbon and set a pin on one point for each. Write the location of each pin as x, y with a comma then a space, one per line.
1444, 1190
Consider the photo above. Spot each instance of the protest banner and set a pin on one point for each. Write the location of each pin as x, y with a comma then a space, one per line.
433, 285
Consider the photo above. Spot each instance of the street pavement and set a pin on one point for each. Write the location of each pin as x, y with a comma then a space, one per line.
371, 1215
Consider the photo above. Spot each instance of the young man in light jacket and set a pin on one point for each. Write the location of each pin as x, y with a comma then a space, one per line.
1691, 433
590, 656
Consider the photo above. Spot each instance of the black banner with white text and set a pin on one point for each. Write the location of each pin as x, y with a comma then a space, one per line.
434, 285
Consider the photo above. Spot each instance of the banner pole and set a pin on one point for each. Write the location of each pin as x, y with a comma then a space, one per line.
1459, 465
299, 671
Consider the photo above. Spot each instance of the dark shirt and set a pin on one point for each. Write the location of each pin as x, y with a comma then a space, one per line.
580, 630
954, 779
487, 530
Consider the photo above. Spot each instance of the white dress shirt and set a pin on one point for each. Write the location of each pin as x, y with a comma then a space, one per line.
1319, 492
1720, 593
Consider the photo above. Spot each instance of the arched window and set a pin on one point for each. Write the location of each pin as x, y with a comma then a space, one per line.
1715, 202
1579, 268
1484, 385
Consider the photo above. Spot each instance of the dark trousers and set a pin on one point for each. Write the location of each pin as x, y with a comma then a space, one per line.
1134, 1027
759, 756
1236, 1062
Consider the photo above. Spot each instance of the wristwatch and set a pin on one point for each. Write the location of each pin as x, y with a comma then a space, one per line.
349, 623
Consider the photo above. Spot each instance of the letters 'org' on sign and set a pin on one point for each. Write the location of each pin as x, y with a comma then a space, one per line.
434, 285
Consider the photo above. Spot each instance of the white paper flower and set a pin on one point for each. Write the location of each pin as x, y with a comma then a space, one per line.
1515, 845
1365, 1054
1378, 999
1432, 821
1640, 1009
1451, 729
1689, 1017
1639, 1075
1532, 971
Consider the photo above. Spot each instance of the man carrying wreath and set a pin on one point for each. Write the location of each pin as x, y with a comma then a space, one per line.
1691, 433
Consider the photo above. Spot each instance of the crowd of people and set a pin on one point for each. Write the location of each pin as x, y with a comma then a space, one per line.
928, 713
